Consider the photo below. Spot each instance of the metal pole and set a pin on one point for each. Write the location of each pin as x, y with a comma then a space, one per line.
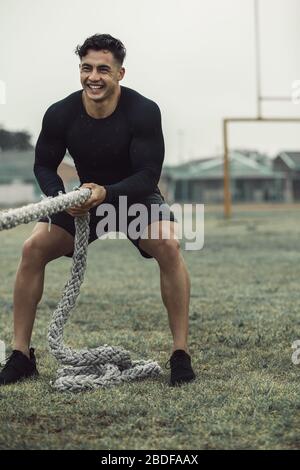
227, 193
257, 56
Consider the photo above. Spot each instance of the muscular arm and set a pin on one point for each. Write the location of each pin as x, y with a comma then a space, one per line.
49, 152
146, 155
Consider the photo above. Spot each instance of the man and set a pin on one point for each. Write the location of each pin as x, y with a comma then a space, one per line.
114, 136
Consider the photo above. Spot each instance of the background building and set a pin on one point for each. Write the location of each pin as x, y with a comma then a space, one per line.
18, 184
289, 164
253, 179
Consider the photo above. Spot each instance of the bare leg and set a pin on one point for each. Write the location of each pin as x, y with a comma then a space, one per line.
174, 280
38, 250
175, 292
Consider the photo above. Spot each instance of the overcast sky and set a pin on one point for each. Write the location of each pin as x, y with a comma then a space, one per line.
195, 58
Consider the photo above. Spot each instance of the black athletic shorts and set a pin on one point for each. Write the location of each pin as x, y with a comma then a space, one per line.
66, 221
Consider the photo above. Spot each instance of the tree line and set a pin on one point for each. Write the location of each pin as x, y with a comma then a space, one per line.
20, 140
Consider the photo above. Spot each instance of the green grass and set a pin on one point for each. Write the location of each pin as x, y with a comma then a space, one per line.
244, 316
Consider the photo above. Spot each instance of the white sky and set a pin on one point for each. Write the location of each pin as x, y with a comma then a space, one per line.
195, 58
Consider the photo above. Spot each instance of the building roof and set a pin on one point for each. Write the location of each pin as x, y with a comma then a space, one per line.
241, 166
291, 159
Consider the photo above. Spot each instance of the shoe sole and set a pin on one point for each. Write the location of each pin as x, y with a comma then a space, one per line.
21, 379
178, 383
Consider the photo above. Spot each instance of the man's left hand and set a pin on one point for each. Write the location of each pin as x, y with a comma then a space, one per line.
97, 196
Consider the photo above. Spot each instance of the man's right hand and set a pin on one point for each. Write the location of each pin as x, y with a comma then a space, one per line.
96, 198
76, 211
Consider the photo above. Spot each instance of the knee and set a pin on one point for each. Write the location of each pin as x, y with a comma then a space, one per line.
168, 251
33, 251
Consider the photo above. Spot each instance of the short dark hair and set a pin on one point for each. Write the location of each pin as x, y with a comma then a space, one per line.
100, 42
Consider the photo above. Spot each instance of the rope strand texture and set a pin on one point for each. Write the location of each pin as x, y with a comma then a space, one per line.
87, 368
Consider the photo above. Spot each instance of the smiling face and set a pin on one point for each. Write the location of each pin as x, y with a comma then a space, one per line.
100, 74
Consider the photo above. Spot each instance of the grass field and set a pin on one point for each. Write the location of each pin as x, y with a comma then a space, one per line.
244, 316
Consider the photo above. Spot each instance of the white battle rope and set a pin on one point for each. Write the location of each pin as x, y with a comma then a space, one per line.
87, 368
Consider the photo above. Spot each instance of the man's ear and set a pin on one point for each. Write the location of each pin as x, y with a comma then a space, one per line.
121, 73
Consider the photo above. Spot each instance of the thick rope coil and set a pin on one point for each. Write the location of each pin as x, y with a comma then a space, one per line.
87, 368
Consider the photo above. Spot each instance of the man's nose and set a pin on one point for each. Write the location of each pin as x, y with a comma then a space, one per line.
94, 75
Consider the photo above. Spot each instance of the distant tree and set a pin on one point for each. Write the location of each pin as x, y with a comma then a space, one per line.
15, 140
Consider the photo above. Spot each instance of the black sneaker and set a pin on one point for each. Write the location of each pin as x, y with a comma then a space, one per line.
181, 369
18, 367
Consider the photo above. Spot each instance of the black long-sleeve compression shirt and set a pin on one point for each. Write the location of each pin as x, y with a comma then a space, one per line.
123, 152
